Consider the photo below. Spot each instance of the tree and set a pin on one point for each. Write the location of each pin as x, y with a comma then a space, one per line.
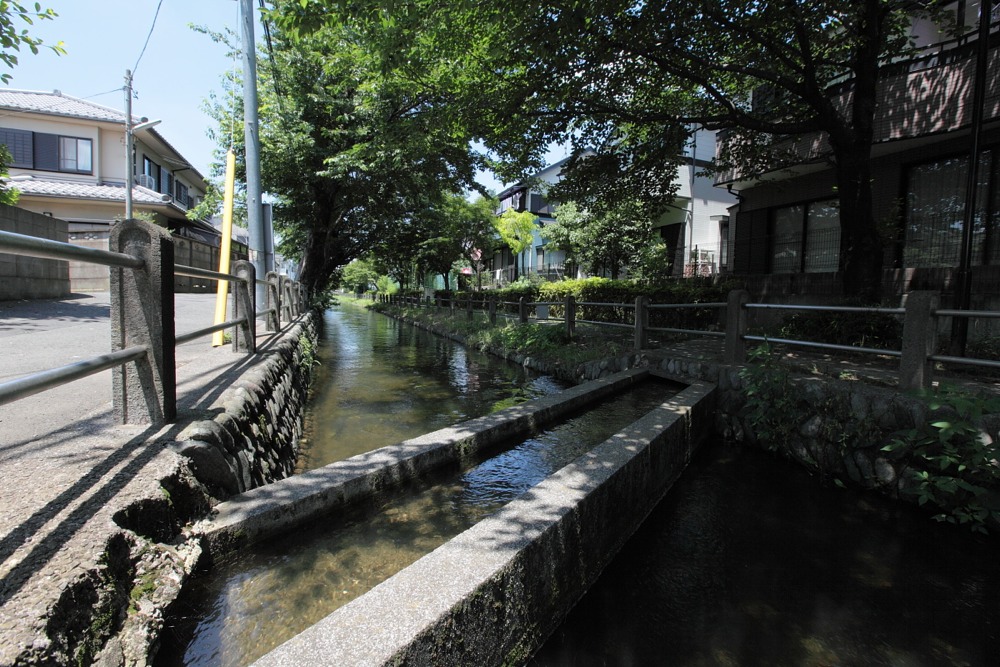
359, 275
630, 79
348, 152
608, 241
514, 228
12, 39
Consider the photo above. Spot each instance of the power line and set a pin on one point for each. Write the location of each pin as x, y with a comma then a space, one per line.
150, 34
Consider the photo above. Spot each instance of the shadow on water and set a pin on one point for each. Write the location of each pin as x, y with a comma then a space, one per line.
748, 561
250, 604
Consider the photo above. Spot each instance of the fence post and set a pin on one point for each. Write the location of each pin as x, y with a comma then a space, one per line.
570, 316
641, 322
245, 336
736, 327
273, 302
468, 308
522, 309
285, 301
493, 309
142, 313
916, 370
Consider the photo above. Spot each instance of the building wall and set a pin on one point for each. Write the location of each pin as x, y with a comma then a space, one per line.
29, 277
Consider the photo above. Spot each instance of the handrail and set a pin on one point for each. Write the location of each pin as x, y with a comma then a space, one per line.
830, 309
32, 246
824, 346
154, 329
39, 382
195, 272
205, 331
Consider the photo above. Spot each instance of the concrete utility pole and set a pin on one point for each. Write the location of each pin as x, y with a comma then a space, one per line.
255, 218
129, 167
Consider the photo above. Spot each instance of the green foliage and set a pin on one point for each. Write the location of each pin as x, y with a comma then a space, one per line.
602, 240
359, 275
385, 285
8, 195
873, 330
952, 463
515, 230
771, 401
12, 39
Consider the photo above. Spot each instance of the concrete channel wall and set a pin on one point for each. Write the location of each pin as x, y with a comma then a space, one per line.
493, 594
278, 507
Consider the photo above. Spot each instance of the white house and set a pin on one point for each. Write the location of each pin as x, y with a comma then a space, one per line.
695, 228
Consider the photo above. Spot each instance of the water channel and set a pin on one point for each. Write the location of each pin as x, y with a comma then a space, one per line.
750, 561
251, 603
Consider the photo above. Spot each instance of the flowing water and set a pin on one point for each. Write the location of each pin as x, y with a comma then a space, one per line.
749, 561
382, 382
250, 604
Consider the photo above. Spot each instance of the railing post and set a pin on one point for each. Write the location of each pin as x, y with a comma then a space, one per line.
286, 299
273, 302
493, 309
142, 313
468, 308
245, 336
570, 316
641, 322
736, 327
522, 309
916, 370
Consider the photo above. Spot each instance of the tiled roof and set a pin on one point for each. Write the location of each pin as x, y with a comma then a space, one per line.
57, 104
71, 190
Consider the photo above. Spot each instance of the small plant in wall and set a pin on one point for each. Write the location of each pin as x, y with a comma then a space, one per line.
771, 401
952, 463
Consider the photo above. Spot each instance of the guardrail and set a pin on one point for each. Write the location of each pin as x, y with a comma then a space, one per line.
141, 261
916, 357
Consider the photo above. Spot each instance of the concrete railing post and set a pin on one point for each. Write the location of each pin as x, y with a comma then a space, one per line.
570, 316
736, 327
142, 313
273, 302
916, 370
522, 309
493, 309
641, 322
285, 302
468, 308
245, 335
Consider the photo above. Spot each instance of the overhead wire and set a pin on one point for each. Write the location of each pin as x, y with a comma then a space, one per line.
148, 35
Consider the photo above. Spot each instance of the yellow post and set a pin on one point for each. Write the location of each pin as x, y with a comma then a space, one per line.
226, 250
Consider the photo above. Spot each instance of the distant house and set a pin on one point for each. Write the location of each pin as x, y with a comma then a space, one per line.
694, 228
786, 231
68, 161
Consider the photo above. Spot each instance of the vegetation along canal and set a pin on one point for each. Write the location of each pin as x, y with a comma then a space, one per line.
251, 603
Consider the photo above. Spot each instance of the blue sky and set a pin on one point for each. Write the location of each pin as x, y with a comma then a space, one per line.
177, 72
103, 38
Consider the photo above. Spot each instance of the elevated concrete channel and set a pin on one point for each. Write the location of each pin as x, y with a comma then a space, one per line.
491, 595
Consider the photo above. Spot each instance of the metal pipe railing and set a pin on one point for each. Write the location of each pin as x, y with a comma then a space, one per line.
35, 383
32, 246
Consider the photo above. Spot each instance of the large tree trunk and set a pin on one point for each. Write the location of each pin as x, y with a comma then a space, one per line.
860, 244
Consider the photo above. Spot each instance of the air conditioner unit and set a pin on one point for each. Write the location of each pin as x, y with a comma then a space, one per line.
146, 181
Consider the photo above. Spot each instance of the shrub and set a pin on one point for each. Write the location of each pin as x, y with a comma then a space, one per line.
875, 330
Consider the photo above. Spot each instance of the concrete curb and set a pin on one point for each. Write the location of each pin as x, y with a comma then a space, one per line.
493, 594
277, 507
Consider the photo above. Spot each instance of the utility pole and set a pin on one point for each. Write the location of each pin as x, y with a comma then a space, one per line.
255, 218
129, 167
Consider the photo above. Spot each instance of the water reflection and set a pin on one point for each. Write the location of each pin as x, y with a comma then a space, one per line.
383, 382
251, 604
749, 562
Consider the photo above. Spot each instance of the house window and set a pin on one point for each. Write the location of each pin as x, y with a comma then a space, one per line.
151, 172
935, 210
182, 194
75, 155
18, 143
805, 238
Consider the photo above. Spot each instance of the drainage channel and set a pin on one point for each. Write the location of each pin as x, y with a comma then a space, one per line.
251, 603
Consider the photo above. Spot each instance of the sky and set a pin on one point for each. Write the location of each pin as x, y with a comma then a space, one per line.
173, 78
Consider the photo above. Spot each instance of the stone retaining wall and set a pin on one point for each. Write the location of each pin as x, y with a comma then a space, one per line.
254, 440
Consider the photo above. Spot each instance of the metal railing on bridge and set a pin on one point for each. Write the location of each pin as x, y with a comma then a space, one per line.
143, 339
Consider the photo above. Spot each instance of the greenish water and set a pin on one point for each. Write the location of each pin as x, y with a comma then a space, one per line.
382, 382
250, 604
750, 561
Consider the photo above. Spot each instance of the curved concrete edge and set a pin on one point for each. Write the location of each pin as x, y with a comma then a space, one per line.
493, 594
278, 507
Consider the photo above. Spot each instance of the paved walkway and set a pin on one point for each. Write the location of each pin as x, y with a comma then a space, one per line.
66, 468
